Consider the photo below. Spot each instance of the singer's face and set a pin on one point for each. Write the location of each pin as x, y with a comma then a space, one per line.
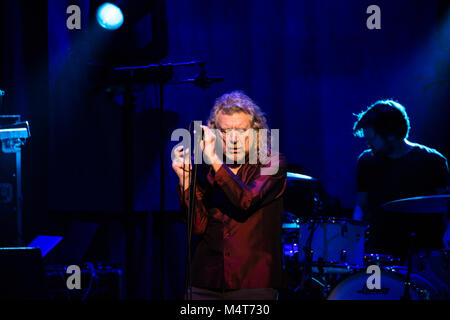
234, 129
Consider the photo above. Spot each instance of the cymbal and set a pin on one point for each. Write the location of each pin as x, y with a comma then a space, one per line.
291, 176
425, 204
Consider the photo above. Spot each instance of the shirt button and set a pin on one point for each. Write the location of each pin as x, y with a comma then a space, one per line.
227, 254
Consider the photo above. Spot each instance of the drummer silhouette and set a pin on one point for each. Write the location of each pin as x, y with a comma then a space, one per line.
394, 168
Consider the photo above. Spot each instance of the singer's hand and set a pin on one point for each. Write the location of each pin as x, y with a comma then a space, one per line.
208, 146
182, 166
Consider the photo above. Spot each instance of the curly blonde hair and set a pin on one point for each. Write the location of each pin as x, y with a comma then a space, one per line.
237, 101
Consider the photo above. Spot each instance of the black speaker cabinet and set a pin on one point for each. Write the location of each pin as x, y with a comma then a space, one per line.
22, 274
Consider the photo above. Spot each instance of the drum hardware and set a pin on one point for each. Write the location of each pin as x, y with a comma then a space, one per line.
332, 248
343, 255
324, 278
421, 264
291, 176
290, 221
424, 294
332, 268
417, 205
320, 266
300, 197
354, 286
318, 286
322, 284
433, 264
381, 260
337, 241
337, 272
407, 294
307, 270
295, 224
327, 249
318, 204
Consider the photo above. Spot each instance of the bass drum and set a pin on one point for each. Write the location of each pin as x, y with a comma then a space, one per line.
392, 280
435, 265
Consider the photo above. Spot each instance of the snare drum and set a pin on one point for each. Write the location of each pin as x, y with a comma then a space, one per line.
335, 241
392, 284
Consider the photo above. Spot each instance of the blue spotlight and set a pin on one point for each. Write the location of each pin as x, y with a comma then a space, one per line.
109, 16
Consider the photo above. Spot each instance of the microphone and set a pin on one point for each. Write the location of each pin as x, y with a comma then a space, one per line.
204, 82
201, 80
198, 137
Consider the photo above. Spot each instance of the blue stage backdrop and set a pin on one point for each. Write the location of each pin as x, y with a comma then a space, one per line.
310, 65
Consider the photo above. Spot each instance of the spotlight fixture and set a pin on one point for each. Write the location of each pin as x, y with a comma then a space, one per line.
109, 16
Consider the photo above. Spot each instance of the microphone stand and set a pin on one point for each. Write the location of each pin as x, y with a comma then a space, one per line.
407, 284
191, 213
307, 269
128, 76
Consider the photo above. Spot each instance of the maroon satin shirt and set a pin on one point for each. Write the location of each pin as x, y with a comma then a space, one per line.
239, 219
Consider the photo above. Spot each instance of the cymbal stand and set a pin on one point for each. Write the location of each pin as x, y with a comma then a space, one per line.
307, 270
406, 292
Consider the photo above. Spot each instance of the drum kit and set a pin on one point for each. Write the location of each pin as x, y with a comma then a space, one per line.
325, 257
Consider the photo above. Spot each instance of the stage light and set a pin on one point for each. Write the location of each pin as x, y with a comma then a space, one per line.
109, 16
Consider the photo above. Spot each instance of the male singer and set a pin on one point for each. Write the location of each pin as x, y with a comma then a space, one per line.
238, 208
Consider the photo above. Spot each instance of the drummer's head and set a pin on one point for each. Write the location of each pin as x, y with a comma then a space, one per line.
384, 124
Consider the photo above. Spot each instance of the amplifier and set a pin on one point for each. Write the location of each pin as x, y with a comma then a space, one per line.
13, 134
